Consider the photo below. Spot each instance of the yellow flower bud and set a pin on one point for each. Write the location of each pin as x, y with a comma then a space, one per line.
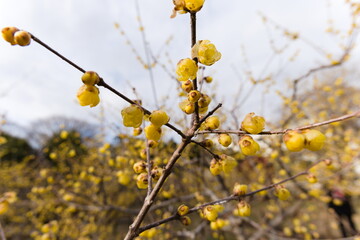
183, 210
132, 116
205, 52
228, 163
187, 107
185, 220
204, 101
311, 178
152, 132
208, 79
90, 78
240, 189
194, 96
156, 173
194, 5
186, 69
215, 167
314, 139
159, 118
282, 193
88, 95
225, 139
8, 34
187, 86
139, 167
243, 209
294, 140
137, 131
4, 207
253, 124
142, 181
22, 38
212, 123
210, 213
248, 145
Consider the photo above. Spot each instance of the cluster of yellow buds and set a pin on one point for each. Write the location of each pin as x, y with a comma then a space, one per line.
88, 94
15, 36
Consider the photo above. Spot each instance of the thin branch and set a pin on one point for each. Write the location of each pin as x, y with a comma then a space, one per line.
342, 59
226, 199
56, 53
147, 55
355, 114
102, 83
193, 42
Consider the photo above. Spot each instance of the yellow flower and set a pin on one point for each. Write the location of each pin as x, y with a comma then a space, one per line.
88, 95
206, 52
132, 116
8, 34
22, 38
194, 5
253, 124
186, 69
184, 6
248, 145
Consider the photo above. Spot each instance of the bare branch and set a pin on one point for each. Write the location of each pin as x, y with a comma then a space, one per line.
355, 114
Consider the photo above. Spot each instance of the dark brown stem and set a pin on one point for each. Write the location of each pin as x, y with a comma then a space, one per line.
56, 53
193, 42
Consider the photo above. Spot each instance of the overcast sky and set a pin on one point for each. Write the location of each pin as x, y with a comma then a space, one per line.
36, 84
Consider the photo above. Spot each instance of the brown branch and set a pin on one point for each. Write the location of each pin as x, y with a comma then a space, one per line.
193, 42
135, 226
102, 83
226, 199
355, 114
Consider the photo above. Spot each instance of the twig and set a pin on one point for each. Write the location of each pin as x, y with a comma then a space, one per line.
147, 54
226, 199
193, 42
342, 59
103, 83
355, 114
